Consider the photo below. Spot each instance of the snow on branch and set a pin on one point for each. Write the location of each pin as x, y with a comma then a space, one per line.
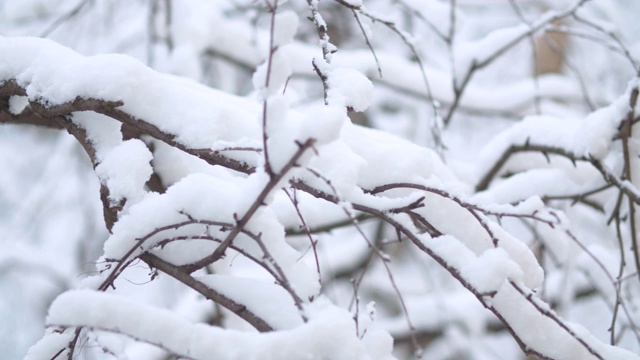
162, 328
204, 221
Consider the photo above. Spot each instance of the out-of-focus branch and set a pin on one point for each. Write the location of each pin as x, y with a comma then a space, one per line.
626, 132
477, 64
64, 18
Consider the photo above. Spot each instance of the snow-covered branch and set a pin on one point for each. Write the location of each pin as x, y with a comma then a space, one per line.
246, 215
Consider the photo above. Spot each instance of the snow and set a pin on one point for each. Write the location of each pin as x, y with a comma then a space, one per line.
102, 131
599, 127
285, 27
280, 144
405, 160
17, 104
52, 72
349, 88
277, 2
272, 75
172, 164
521, 254
316, 213
548, 182
436, 12
490, 270
268, 301
378, 344
545, 335
330, 333
340, 165
206, 197
48, 346
323, 123
586, 137
125, 170
288, 129
198, 195
302, 278
469, 240
529, 206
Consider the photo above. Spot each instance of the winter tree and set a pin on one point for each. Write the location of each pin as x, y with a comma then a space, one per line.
335, 179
